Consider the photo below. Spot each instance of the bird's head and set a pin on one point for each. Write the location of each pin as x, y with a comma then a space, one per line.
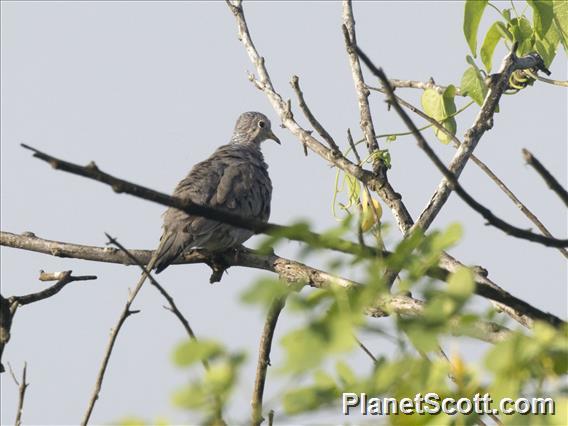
253, 127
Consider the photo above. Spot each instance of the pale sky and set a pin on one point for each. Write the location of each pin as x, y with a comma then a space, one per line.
146, 90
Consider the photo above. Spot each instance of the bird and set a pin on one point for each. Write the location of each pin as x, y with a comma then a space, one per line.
233, 179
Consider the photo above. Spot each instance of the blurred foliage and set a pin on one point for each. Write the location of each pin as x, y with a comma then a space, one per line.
318, 352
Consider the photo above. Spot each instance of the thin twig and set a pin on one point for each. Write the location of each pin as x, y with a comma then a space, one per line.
22, 386
500, 184
173, 307
264, 358
64, 278
561, 83
550, 180
366, 350
452, 178
295, 82
126, 312
366, 120
423, 85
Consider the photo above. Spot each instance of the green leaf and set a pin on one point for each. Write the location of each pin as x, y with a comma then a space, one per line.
193, 396
523, 34
440, 107
193, 351
472, 85
132, 421
542, 16
547, 46
560, 9
345, 373
422, 339
264, 291
472, 16
494, 34
460, 284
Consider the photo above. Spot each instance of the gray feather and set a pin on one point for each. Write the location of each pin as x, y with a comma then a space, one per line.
233, 179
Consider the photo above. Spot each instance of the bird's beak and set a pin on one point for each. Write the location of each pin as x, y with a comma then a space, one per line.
272, 136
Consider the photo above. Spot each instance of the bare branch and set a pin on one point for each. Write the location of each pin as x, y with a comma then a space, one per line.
423, 85
264, 358
22, 386
126, 312
366, 120
64, 278
295, 82
452, 178
173, 307
483, 122
366, 350
500, 184
550, 180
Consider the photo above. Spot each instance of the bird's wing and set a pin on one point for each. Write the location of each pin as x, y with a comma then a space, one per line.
230, 180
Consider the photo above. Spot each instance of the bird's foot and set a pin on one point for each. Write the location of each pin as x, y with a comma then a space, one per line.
218, 266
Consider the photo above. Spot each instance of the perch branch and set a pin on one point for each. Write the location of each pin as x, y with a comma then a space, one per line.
287, 270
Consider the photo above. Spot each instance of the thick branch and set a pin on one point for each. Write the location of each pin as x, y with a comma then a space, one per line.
451, 178
550, 180
264, 358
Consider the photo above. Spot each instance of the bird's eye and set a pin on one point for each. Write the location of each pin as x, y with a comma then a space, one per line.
261, 124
